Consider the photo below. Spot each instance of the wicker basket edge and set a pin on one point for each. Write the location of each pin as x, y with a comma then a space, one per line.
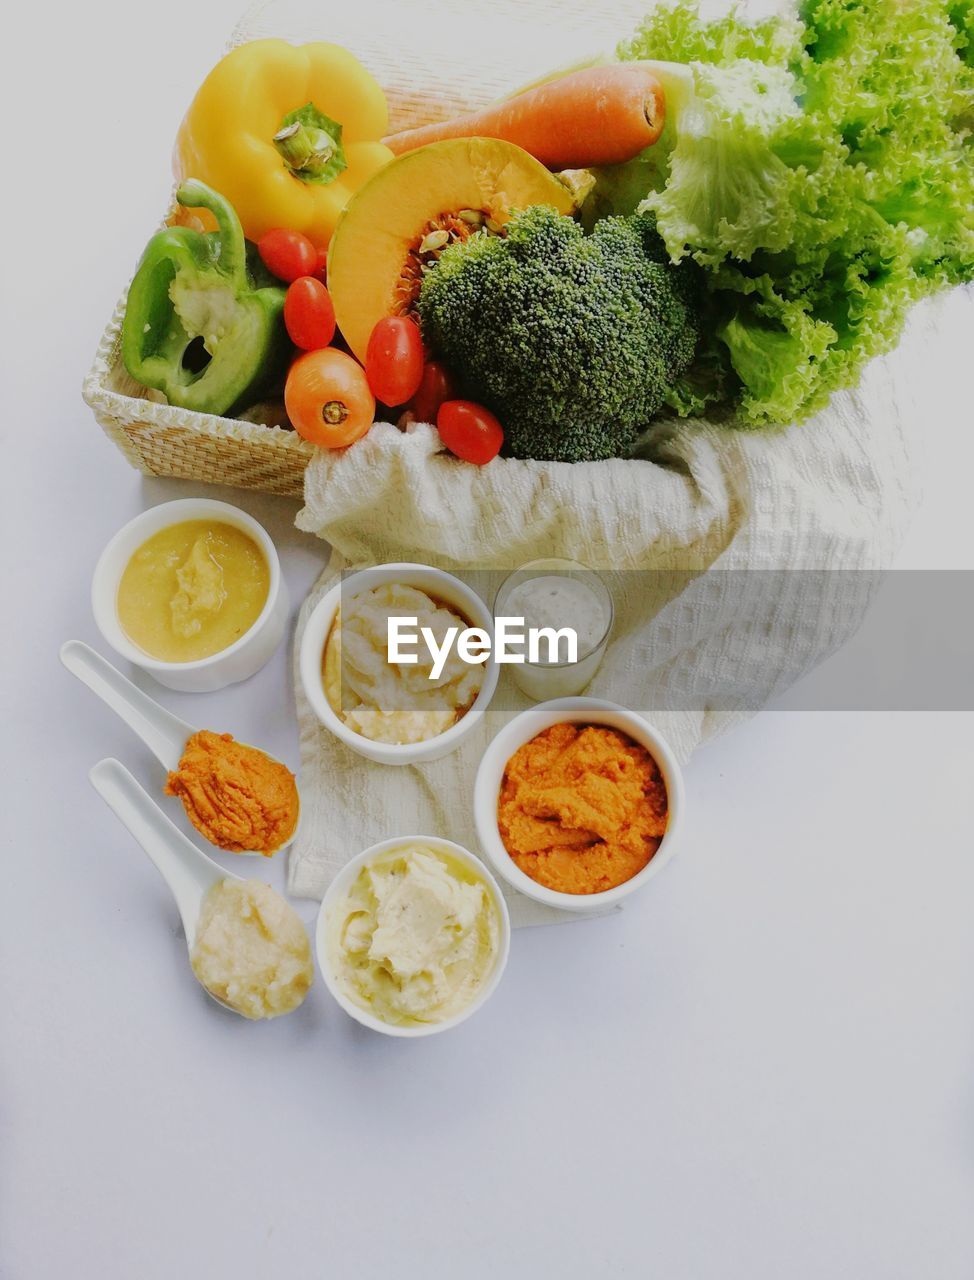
163, 439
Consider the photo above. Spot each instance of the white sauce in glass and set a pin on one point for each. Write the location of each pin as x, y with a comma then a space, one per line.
559, 600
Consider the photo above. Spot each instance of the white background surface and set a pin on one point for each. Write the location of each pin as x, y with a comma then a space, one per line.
763, 1068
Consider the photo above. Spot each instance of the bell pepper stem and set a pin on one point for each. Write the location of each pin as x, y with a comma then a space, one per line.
310, 144
194, 194
303, 147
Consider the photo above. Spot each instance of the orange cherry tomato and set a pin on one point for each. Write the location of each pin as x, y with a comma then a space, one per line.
328, 398
435, 387
309, 316
470, 431
287, 254
394, 359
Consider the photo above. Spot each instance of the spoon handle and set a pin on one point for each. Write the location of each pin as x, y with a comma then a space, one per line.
163, 733
186, 869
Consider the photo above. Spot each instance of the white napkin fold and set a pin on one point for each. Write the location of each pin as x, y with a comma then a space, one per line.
691, 647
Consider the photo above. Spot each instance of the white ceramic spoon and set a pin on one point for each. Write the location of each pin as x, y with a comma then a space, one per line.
188, 872
163, 733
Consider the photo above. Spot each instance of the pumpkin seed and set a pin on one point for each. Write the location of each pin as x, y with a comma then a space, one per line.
434, 240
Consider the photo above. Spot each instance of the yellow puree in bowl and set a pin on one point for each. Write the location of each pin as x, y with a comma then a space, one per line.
192, 590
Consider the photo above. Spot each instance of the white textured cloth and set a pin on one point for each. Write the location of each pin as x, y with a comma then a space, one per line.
832, 494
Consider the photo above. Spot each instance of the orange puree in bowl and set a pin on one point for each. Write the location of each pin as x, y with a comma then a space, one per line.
234, 795
582, 808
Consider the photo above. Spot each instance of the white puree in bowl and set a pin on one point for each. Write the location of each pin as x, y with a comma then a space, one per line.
251, 949
392, 701
415, 937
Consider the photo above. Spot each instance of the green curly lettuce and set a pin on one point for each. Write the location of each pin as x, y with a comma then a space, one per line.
821, 168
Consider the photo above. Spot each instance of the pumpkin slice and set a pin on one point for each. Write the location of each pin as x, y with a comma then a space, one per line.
399, 221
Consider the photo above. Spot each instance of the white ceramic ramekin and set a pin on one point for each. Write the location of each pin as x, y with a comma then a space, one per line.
240, 660
521, 730
444, 586
331, 903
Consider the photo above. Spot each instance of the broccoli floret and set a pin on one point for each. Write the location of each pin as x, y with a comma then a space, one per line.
573, 340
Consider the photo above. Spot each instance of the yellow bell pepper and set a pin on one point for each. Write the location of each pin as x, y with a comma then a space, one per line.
287, 133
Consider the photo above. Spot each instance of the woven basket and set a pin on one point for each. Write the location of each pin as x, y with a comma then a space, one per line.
162, 440
491, 50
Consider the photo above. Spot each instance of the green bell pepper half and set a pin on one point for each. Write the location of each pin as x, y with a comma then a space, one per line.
204, 320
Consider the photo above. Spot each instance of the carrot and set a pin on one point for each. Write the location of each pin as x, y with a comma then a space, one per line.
598, 116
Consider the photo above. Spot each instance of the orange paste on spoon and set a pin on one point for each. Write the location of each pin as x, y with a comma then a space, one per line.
236, 796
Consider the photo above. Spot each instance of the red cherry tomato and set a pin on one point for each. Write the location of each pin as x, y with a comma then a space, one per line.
470, 431
435, 387
394, 360
321, 266
308, 314
328, 399
287, 254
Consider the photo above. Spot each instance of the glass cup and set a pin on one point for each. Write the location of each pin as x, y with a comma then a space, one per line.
558, 593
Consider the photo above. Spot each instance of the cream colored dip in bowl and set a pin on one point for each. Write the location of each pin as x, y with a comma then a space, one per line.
392, 702
442, 589
412, 936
